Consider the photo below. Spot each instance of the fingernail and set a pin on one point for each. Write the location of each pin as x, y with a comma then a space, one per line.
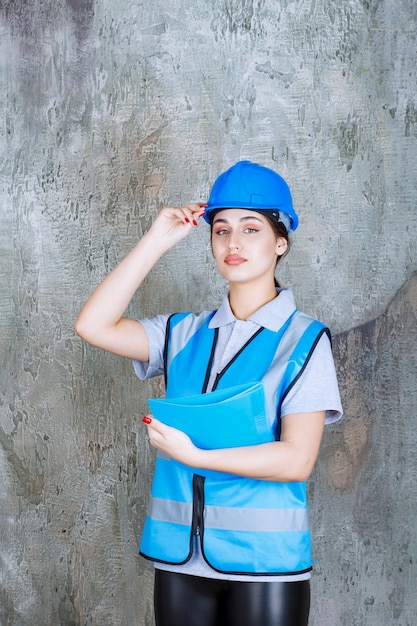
186, 219
146, 420
203, 206
195, 223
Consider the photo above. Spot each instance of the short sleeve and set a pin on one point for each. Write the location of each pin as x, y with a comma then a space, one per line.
317, 388
156, 330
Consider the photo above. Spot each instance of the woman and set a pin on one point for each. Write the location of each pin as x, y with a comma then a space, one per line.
227, 527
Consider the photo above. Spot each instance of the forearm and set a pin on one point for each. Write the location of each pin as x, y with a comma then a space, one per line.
277, 461
289, 460
109, 301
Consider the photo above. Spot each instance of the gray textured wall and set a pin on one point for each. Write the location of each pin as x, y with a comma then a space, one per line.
109, 110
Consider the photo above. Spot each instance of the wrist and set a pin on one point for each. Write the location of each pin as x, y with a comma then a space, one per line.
201, 458
153, 245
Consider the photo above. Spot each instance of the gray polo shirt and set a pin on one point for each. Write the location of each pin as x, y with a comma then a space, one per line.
315, 390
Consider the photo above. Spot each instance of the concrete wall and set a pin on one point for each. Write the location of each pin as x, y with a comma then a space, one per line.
109, 110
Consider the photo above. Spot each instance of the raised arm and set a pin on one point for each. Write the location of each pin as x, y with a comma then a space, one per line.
101, 322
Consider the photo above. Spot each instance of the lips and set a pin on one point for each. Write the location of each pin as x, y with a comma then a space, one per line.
234, 259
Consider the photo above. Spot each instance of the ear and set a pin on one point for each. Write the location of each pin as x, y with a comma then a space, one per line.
281, 246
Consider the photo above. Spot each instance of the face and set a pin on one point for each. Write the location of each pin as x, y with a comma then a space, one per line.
244, 245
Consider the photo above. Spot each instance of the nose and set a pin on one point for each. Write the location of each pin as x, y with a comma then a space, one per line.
234, 242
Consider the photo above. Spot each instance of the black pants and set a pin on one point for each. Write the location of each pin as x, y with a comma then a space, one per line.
183, 600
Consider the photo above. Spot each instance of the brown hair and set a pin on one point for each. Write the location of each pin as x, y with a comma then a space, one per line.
280, 231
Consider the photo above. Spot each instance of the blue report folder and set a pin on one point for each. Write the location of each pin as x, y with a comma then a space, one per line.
225, 418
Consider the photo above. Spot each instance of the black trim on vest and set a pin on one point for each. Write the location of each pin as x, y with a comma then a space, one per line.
165, 353
284, 395
224, 370
210, 363
167, 333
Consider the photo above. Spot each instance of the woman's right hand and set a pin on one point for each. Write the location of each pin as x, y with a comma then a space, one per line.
173, 224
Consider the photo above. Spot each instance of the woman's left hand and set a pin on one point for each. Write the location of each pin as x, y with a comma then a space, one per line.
172, 441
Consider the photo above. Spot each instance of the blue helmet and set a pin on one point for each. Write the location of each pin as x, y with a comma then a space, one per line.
248, 185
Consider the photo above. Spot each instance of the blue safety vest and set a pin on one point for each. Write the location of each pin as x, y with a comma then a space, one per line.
246, 526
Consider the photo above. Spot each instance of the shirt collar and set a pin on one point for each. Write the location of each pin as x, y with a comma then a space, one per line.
271, 316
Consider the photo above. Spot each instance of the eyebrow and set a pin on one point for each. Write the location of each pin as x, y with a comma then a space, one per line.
222, 220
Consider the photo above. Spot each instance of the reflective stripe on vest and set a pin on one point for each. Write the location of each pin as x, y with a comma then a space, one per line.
229, 518
246, 526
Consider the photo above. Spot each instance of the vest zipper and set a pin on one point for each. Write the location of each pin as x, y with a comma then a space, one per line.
198, 505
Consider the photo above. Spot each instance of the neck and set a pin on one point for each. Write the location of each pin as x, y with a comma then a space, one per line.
245, 299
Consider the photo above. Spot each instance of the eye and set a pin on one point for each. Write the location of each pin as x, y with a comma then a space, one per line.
251, 229
221, 231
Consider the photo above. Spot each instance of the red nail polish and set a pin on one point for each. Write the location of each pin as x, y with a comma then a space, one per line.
186, 219
195, 223
146, 420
